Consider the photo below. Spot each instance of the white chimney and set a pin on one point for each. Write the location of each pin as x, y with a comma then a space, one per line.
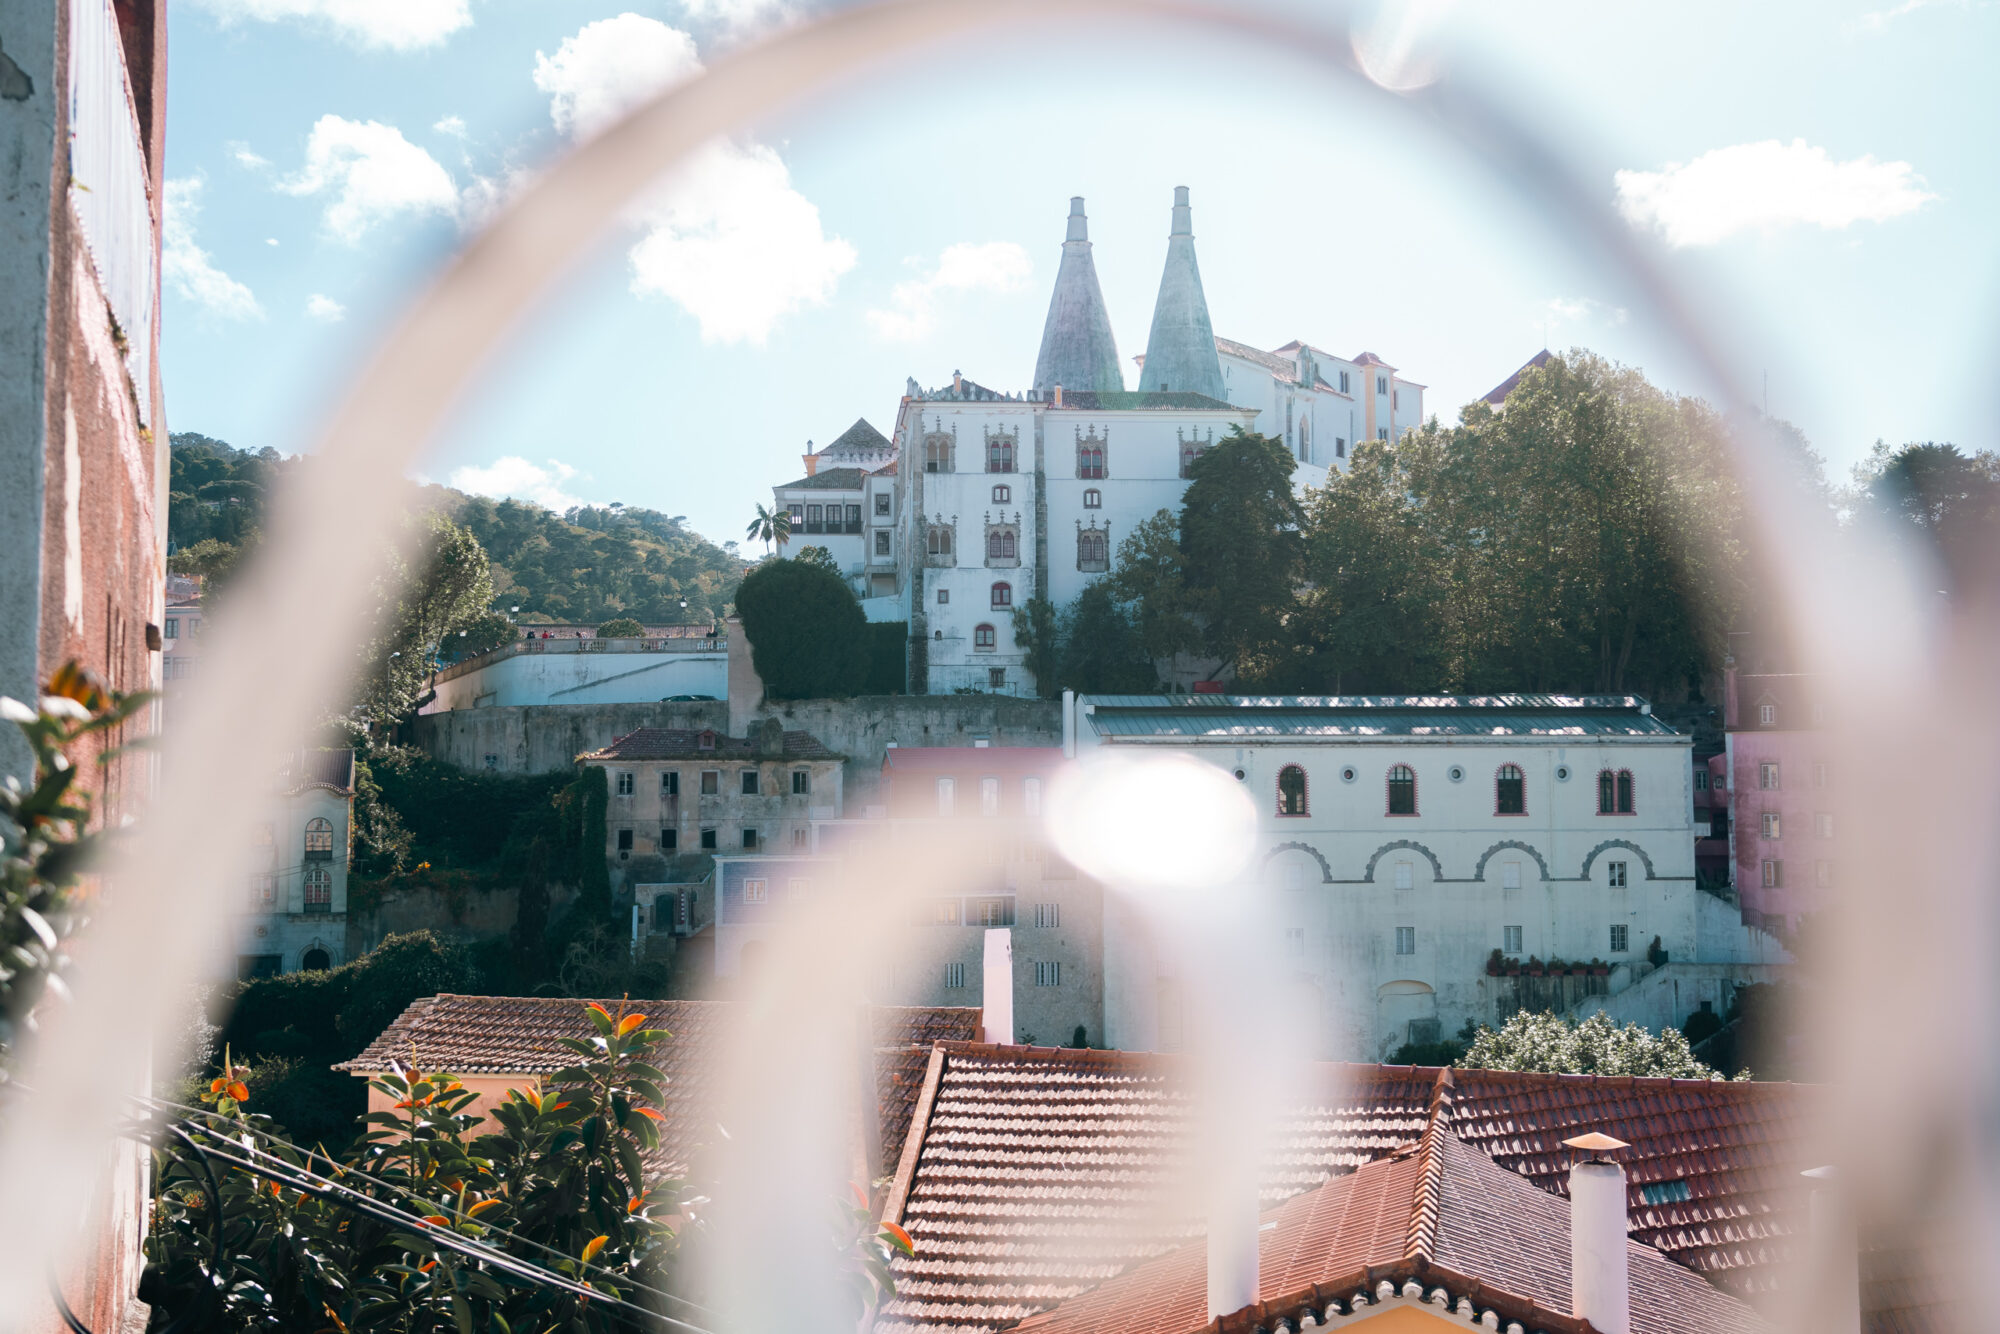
1836, 1275
1233, 1236
1069, 724
997, 1018
1599, 1278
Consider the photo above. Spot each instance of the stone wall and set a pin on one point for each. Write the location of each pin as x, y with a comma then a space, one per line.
477, 914
547, 738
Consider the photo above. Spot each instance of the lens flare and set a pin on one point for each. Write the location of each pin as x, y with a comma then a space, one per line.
1165, 822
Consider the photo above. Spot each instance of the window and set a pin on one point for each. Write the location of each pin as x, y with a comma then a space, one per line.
1823, 874
756, 891
989, 796
1767, 776
946, 791
1405, 875
1774, 875
1510, 795
1395, 399
882, 503
800, 835
944, 912
990, 912
1701, 780
670, 840
1406, 940
624, 843
1510, 940
1665, 1192
1822, 774
625, 785
937, 452
1002, 544
1381, 384
954, 976
1510, 875
1344, 383
1340, 446
319, 889
882, 542
711, 782
999, 453
1382, 433
670, 783
1767, 714
802, 782
492, 760
1031, 796
1048, 914
1621, 938
263, 892
749, 782
1048, 973
319, 839
1823, 824
996, 678
937, 541
1093, 550
1003, 596
708, 840
1614, 792
798, 518
1773, 825
1090, 459
853, 518
1093, 499
749, 840
706, 741
1614, 873
1002, 494
944, 596
982, 638
1295, 941
1291, 790
173, 627
1402, 790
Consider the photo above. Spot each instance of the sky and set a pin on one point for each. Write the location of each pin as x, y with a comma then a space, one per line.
1816, 176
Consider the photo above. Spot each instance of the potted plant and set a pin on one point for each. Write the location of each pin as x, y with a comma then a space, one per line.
1557, 968
1534, 966
1513, 967
1495, 962
1599, 968
1656, 953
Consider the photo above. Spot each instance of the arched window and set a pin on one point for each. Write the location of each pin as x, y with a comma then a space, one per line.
937, 540
1093, 551
1000, 544
1093, 499
319, 889
1510, 791
937, 452
1090, 459
315, 960
1291, 790
1000, 453
1002, 494
1614, 792
982, 638
319, 839
1003, 596
1402, 790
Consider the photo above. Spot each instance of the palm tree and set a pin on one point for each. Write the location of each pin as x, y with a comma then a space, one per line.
771, 526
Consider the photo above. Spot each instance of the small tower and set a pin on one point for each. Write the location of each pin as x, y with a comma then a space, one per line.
1180, 353
1078, 352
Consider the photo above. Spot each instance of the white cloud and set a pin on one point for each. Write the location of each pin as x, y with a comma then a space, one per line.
608, 68
370, 173
727, 237
737, 16
187, 266
484, 195
516, 478
398, 25
247, 157
451, 125
325, 308
1581, 308
270, 240
994, 266
1763, 187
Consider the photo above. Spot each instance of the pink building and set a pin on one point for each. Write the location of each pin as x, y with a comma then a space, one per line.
1782, 828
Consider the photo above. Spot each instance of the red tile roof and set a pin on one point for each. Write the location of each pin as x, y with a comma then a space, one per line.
1498, 393
684, 743
1033, 1174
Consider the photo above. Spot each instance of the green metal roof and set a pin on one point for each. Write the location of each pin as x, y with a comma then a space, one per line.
1362, 717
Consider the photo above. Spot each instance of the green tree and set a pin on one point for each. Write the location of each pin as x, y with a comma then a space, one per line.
212, 560
1150, 576
1239, 536
771, 526
1944, 501
443, 585
1551, 1044
621, 627
821, 557
807, 635
1100, 650
1035, 631
483, 633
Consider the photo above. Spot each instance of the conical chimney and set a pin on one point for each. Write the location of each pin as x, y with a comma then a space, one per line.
1180, 354
1077, 347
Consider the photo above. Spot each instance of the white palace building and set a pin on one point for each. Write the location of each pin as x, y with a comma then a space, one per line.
984, 499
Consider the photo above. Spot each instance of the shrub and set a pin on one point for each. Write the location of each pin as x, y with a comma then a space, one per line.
807, 635
888, 653
1701, 1026
621, 627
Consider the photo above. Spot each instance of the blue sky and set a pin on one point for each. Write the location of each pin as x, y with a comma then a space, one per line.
1822, 170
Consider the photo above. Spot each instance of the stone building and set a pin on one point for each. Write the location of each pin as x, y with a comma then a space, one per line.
294, 915
1428, 860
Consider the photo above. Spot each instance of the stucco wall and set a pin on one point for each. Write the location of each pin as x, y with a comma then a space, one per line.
585, 671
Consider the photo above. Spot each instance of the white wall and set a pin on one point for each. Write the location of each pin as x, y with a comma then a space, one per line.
608, 676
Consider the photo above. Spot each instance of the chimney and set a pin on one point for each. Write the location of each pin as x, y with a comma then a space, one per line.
1599, 1278
1233, 1237
812, 460
997, 1018
957, 383
1835, 1287
1058, 399
1729, 690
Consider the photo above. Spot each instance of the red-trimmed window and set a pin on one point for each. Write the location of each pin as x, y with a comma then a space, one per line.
1090, 459
1402, 790
1510, 791
1614, 792
1003, 596
1291, 790
982, 638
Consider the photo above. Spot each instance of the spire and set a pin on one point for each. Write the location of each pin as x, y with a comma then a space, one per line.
1077, 348
1180, 354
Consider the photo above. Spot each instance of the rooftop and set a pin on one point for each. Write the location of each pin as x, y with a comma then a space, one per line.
828, 479
1498, 393
688, 743
331, 770
860, 438
1360, 717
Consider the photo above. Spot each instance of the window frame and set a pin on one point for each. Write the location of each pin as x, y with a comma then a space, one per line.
1093, 498
1511, 939
1293, 806
1621, 938
1390, 781
1771, 825
1406, 936
1003, 494
316, 890
750, 783
1769, 777
1510, 773
670, 782
1618, 874
802, 782
985, 639
318, 841
711, 783
1001, 595
756, 889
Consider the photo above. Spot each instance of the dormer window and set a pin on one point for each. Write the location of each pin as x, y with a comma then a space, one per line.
706, 741
1767, 715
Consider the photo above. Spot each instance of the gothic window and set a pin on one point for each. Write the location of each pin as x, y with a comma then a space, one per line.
1002, 494
982, 638
1191, 450
1291, 790
1003, 596
1093, 499
1000, 453
937, 452
1090, 458
1003, 544
1402, 790
1510, 791
319, 840
1093, 551
319, 889
937, 542
1614, 792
